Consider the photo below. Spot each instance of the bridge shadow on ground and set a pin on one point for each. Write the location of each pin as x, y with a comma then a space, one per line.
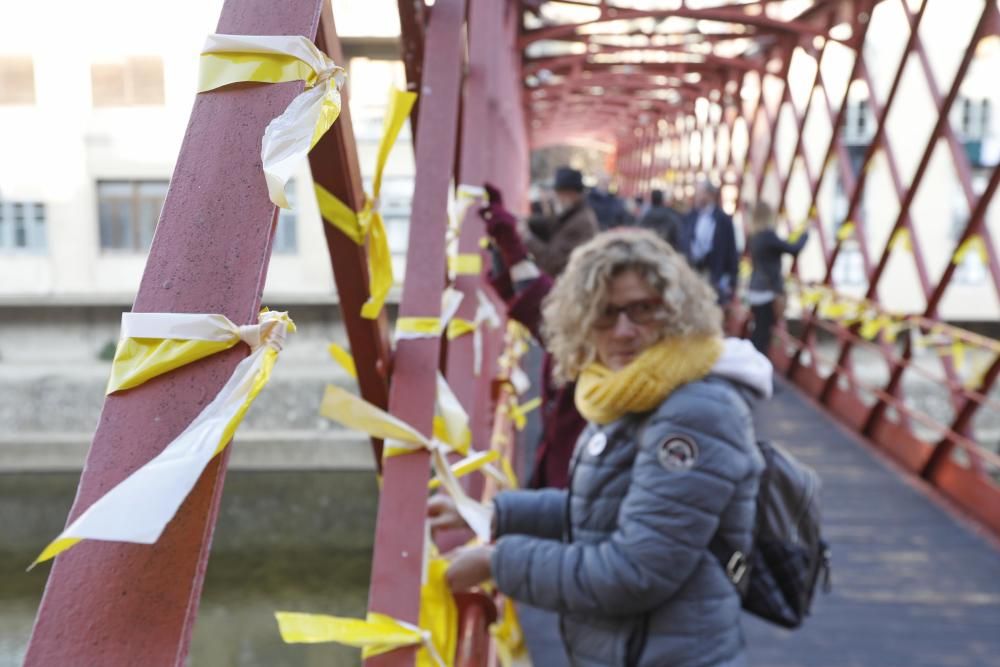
913, 585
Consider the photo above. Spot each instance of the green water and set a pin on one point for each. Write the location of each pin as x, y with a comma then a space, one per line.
291, 541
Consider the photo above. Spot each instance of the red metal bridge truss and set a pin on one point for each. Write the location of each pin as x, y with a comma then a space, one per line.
679, 89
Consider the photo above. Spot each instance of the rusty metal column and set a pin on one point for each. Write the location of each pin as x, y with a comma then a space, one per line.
114, 604
399, 531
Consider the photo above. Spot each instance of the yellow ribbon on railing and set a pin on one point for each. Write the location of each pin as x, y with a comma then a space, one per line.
846, 231
228, 59
437, 634
519, 412
468, 465
139, 508
973, 244
368, 223
507, 635
801, 228
901, 240
468, 264
343, 358
401, 439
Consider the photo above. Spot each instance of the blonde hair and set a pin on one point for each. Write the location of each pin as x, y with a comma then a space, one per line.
762, 217
581, 293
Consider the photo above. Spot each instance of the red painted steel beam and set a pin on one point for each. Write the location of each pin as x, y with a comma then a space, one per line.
412, 19
114, 604
763, 23
399, 531
334, 165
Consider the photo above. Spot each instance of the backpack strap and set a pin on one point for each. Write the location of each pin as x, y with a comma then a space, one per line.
736, 563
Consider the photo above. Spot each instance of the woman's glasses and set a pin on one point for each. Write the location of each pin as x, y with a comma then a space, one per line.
643, 311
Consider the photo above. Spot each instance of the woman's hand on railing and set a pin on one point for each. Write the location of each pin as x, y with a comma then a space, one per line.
442, 513
470, 566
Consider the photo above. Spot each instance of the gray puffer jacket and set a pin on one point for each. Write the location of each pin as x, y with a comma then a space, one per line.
622, 554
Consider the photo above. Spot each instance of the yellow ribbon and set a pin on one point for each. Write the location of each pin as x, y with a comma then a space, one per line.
418, 327
138, 509
469, 464
799, 230
846, 231
344, 358
469, 264
459, 327
368, 223
972, 244
401, 438
228, 59
437, 634
901, 240
519, 413
746, 268
507, 635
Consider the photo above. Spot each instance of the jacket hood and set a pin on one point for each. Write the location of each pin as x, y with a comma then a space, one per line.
741, 363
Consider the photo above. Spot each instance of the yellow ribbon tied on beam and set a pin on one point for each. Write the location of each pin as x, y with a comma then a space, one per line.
798, 231
973, 244
437, 634
507, 635
470, 464
355, 413
846, 231
139, 508
468, 264
368, 223
229, 59
901, 240
519, 412
408, 328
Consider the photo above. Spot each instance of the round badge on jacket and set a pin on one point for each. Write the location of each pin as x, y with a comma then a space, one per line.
678, 452
597, 443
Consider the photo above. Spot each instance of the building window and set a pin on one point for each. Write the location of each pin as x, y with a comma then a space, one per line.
22, 226
971, 120
135, 81
285, 239
127, 213
17, 80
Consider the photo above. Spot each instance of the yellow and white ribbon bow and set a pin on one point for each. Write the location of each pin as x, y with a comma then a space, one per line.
519, 411
354, 412
368, 223
408, 328
155, 343
140, 507
437, 634
227, 59
486, 314
465, 196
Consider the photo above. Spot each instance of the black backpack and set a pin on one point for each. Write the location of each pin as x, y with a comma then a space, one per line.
778, 578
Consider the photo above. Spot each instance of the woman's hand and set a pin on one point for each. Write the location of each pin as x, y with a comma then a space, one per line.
469, 568
443, 514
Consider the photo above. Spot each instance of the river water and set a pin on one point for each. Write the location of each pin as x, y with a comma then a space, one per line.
297, 541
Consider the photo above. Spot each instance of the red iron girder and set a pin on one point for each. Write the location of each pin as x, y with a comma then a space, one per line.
412, 19
334, 165
399, 531
112, 603
556, 63
762, 22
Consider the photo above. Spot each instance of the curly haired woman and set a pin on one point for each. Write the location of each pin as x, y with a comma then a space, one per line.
667, 462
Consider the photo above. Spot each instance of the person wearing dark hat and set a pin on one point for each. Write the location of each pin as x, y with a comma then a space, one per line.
551, 239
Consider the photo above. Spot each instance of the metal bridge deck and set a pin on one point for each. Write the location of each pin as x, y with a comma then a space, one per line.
914, 585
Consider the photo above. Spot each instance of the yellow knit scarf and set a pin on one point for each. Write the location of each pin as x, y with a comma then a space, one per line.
603, 396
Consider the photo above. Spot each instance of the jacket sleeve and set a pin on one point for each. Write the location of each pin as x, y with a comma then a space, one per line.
774, 241
665, 522
538, 513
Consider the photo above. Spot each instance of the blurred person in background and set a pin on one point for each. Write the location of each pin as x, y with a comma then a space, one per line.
766, 293
708, 240
608, 207
662, 220
550, 238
